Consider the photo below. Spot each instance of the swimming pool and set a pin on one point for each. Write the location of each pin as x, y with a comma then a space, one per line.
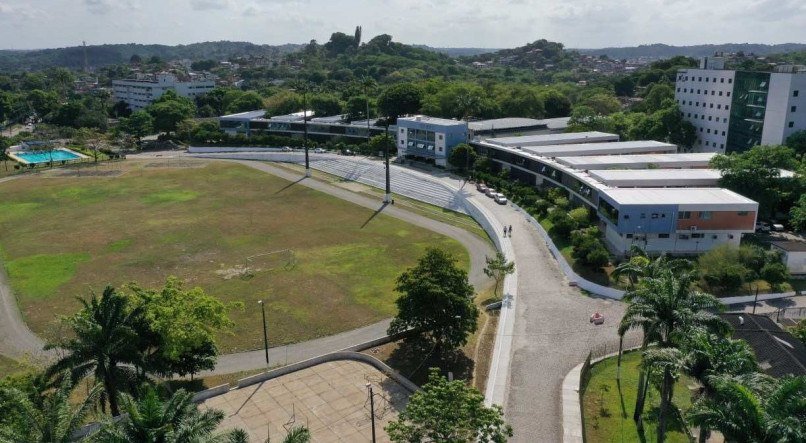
35, 157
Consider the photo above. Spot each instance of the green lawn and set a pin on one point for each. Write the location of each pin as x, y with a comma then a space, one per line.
11, 367
323, 265
608, 406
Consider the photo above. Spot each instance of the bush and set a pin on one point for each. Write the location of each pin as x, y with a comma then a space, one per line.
539, 208
588, 248
562, 223
775, 274
580, 215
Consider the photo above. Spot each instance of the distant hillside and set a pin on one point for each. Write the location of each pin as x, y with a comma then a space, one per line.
102, 55
540, 54
659, 50
459, 52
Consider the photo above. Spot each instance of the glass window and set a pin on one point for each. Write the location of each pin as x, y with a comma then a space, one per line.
706, 215
663, 235
793, 109
791, 124
795, 93
684, 215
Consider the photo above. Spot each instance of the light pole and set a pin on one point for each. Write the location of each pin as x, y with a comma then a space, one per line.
372, 410
265, 333
387, 198
305, 129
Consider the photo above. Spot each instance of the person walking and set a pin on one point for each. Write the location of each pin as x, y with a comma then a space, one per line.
505, 231
510, 230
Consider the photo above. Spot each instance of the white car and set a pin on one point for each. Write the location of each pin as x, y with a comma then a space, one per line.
287, 149
500, 199
481, 188
490, 192
319, 151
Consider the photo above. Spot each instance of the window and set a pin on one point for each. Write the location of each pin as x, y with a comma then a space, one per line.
626, 216
684, 215
628, 235
643, 215
727, 107
683, 237
718, 106
721, 80
712, 106
791, 124
706, 215
700, 129
795, 93
730, 80
742, 213
721, 146
727, 94
793, 109
698, 91
440, 136
697, 235
720, 93
709, 129
723, 133
713, 92
402, 130
709, 118
706, 79
678, 89
700, 79
697, 104
714, 237
663, 235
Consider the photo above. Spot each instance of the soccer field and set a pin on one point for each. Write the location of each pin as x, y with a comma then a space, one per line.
323, 265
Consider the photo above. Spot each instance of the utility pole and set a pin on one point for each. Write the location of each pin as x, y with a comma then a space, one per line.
265, 332
305, 130
387, 198
755, 301
372, 410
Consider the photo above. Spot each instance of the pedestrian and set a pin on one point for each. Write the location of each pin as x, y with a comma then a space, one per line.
505, 231
510, 230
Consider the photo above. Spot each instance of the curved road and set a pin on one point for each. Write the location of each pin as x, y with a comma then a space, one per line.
19, 342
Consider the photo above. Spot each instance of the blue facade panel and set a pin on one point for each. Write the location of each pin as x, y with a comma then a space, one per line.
652, 219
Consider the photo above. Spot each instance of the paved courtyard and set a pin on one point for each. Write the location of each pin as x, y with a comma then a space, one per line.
330, 399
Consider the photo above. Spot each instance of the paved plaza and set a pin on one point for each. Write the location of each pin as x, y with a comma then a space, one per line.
330, 399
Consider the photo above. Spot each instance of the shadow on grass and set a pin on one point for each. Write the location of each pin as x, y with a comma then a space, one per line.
414, 356
374, 214
289, 185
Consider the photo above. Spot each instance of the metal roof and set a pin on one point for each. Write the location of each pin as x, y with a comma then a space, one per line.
778, 352
639, 161
248, 115
642, 178
432, 120
607, 148
507, 123
790, 246
712, 197
554, 139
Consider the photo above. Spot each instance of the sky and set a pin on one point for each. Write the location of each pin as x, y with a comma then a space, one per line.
28, 24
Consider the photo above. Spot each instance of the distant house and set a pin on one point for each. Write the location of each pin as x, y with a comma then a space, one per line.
778, 352
793, 254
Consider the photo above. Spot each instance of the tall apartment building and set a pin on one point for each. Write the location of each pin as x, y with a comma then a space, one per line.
733, 111
145, 89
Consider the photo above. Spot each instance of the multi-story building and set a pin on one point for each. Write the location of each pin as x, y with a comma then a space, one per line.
429, 138
145, 89
664, 203
733, 111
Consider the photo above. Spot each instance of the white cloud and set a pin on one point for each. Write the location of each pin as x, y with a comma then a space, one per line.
488, 23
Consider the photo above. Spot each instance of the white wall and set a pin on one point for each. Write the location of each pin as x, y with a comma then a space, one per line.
780, 101
702, 105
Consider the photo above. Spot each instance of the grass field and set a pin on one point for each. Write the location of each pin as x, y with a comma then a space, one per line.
11, 367
608, 406
62, 237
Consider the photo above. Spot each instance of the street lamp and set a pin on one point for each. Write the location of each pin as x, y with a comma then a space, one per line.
304, 89
265, 333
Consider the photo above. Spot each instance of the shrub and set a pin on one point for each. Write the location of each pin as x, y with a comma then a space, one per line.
562, 223
775, 274
580, 215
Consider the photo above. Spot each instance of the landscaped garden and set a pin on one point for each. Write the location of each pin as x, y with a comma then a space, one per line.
321, 264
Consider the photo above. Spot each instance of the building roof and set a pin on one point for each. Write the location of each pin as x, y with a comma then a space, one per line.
508, 123
638, 161
790, 246
248, 115
641, 178
778, 352
606, 148
712, 197
432, 120
554, 139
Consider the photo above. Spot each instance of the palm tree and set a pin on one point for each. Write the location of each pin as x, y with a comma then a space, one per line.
48, 418
175, 420
106, 344
641, 266
742, 414
298, 434
666, 309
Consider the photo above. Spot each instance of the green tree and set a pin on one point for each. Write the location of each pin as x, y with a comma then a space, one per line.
400, 99
756, 174
602, 104
448, 412
436, 300
561, 223
184, 323
325, 104
556, 104
104, 343
498, 268
624, 86
169, 110
137, 125
50, 417
797, 142
43, 102
797, 215
174, 420
657, 97
282, 103
247, 101
666, 309
462, 156
742, 415
774, 273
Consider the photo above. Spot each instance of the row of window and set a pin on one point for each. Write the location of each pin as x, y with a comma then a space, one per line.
704, 104
704, 92
712, 144
695, 236
716, 132
702, 117
707, 79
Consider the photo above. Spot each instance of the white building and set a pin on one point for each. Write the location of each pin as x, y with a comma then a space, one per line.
793, 255
733, 111
429, 138
143, 90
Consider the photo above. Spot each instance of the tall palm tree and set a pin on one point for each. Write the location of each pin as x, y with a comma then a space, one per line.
50, 418
298, 434
639, 266
105, 344
174, 420
665, 308
744, 415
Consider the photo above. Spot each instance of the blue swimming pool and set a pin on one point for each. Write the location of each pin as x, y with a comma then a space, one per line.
57, 155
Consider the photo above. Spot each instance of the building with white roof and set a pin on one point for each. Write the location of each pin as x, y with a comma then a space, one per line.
293, 125
656, 178
145, 89
609, 148
554, 139
664, 203
640, 161
429, 138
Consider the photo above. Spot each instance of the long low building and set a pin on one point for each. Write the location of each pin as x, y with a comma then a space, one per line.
554, 139
639, 161
657, 178
659, 218
610, 148
293, 125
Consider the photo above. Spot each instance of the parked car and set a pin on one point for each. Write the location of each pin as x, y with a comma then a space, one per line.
762, 227
287, 149
319, 151
481, 187
490, 192
500, 199
777, 227
347, 152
